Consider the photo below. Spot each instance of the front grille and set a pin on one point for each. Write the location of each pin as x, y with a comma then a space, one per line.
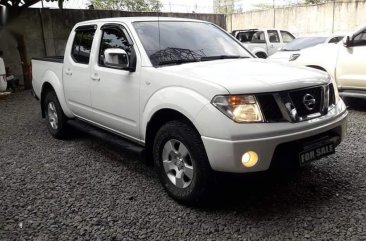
296, 105
331, 95
302, 109
270, 109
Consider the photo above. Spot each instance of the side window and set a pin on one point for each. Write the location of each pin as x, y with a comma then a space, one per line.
273, 36
258, 37
360, 39
287, 37
112, 38
82, 46
243, 37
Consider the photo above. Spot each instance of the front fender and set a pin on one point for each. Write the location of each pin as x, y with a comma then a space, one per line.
186, 101
52, 79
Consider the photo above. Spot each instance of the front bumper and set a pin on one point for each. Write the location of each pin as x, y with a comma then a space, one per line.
225, 155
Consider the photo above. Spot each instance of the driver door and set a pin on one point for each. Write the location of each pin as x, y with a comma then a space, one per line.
115, 92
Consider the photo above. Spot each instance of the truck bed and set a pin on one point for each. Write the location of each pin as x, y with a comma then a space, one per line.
56, 59
46, 69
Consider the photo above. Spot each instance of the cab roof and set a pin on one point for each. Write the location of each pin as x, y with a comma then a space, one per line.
138, 19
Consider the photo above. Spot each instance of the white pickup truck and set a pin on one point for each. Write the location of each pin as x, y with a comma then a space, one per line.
193, 96
263, 42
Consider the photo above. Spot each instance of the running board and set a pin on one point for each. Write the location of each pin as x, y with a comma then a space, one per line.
114, 140
353, 94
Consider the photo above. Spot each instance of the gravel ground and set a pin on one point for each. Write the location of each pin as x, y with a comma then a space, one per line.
83, 189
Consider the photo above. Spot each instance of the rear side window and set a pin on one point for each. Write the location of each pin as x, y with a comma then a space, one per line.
273, 36
287, 37
82, 46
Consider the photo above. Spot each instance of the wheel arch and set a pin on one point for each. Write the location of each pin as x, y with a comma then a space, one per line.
160, 118
46, 88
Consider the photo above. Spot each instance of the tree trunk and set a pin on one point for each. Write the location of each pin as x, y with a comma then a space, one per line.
14, 13
23, 58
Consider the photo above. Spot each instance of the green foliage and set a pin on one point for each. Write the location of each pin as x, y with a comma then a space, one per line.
128, 5
26, 3
60, 3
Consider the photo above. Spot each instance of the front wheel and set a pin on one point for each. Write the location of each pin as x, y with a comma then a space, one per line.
56, 119
182, 163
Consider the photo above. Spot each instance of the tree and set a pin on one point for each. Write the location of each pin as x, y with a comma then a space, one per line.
128, 5
13, 10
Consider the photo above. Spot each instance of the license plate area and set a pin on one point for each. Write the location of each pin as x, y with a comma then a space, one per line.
316, 150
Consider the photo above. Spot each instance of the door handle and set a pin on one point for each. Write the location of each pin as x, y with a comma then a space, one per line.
95, 77
68, 72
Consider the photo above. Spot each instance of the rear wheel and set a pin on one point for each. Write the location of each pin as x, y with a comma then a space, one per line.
261, 55
56, 119
182, 163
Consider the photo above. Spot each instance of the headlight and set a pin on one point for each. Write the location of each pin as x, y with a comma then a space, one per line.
240, 108
293, 57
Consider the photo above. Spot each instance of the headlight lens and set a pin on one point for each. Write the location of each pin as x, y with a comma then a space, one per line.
293, 57
240, 108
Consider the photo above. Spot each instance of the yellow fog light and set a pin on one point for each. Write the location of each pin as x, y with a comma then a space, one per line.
249, 159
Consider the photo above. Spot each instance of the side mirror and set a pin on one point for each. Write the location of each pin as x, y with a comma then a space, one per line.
116, 58
347, 41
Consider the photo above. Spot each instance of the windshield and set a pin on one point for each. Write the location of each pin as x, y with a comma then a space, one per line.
303, 43
183, 42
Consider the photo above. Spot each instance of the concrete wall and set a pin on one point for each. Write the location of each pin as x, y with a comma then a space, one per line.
305, 20
46, 31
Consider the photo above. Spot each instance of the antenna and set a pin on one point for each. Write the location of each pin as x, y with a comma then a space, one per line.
158, 10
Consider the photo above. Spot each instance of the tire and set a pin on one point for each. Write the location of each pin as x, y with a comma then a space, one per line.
261, 55
191, 172
56, 119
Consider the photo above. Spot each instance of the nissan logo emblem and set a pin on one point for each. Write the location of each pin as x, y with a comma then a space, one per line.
309, 101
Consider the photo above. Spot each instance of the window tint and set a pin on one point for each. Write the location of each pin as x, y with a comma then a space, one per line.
258, 37
287, 37
112, 38
82, 46
273, 36
245, 36
360, 39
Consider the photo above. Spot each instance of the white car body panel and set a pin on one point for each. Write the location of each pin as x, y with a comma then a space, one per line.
346, 65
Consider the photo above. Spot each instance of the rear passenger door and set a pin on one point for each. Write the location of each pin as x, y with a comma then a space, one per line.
76, 71
274, 42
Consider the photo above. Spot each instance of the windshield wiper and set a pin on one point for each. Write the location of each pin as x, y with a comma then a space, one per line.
177, 61
208, 58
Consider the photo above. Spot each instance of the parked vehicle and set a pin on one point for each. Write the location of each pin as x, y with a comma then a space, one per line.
193, 96
344, 62
263, 42
292, 50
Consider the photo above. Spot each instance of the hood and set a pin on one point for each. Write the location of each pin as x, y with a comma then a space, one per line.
282, 56
252, 75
